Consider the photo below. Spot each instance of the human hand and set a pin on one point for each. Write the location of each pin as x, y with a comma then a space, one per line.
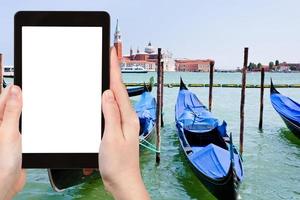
119, 149
12, 177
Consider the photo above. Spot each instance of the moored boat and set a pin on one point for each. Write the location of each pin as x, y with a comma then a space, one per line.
207, 147
146, 111
133, 69
135, 91
288, 110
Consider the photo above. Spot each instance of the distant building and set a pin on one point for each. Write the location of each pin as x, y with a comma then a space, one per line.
146, 59
294, 66
266, 68
188, 65
283, 67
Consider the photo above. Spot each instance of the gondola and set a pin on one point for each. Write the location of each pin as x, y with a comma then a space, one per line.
288, 109
4, 84
135, 91
146, 111
207, 147
62, 179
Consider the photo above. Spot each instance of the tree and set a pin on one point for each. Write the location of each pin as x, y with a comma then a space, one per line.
251, 66
271, 65
259, 65
276, 62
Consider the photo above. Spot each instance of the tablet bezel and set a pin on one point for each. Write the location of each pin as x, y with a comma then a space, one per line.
61, 18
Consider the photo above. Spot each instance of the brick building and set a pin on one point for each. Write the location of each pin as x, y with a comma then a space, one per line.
188, 65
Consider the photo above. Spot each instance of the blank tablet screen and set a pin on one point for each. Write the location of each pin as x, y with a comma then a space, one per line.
61, 84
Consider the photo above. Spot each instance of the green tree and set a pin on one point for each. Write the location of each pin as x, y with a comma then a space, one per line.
276, 62
271, 65
259, 65
251, 66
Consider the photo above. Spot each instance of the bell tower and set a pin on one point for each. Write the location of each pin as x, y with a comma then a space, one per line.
118, 41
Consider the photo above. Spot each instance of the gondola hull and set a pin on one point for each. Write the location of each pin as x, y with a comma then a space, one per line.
150, 136
135, 91
204, 141
287, 109
60, 179
291, 126
225, 188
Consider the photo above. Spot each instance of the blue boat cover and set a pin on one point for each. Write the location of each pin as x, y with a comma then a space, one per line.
286, 107
146, 111
211, 160
214, 161
194, 116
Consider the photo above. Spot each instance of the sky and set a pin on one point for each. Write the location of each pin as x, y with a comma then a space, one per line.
195, 29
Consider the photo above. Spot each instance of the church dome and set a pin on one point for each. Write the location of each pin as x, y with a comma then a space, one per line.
149, 49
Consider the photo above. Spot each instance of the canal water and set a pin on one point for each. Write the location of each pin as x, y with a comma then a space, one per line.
271, 157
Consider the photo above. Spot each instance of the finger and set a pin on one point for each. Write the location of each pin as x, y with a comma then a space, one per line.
128, 115
111, 114
12, 110
3, 99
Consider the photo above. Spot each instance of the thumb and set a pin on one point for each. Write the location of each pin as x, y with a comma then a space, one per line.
12, 110
111, 114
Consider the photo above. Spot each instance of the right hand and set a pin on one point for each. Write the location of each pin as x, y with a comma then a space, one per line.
119, 149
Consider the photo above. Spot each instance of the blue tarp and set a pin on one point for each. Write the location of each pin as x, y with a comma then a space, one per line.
214, 161
211, 160
286, 107
146, 111
194, 116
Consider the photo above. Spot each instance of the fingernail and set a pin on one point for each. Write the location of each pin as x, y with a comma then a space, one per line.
109, 95
14, 93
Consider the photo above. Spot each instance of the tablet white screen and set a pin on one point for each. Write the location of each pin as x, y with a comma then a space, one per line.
61, 84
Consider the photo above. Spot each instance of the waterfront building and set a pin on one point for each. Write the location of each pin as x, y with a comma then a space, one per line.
294, 66
146, 59
189, 65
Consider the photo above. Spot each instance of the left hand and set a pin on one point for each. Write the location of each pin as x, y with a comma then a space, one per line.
12, 177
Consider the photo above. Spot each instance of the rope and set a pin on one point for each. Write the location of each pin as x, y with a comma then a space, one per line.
149, 146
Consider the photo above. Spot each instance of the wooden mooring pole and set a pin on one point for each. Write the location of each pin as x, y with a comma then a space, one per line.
159, 104
262, 86
244, 71
162, 95
211, 81
1, 72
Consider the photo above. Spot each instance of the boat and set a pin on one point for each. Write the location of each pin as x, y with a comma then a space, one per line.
62, 179
4, 84
288, 110
133, 69
135, 91
207, 146
8, 71
146, 111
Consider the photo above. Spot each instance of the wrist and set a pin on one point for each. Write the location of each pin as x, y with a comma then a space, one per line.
3, 185
128, 188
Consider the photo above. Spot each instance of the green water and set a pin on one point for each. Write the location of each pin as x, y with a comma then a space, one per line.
271, 157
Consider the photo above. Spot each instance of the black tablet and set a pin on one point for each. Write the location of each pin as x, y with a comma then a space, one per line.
62, 65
